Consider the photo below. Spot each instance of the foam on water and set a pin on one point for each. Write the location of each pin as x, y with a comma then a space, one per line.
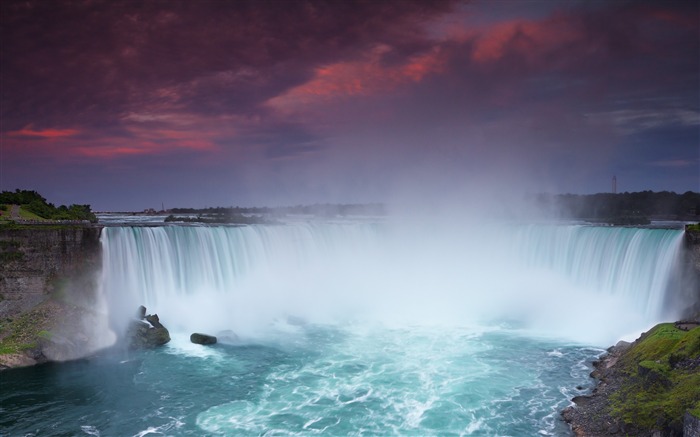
405, 382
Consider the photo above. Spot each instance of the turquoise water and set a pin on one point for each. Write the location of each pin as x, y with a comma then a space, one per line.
308, 380
353, 328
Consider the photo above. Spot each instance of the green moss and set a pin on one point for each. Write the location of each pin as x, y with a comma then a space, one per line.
696, 411
23, 333
659, 389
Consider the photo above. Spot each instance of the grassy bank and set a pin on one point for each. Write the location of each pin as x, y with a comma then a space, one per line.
662, 379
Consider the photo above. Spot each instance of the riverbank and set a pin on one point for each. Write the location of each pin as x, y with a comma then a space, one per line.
649, 388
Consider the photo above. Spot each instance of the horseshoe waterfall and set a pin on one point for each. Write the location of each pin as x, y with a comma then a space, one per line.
359, 328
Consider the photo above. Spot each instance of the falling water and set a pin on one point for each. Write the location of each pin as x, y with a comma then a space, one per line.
231, 277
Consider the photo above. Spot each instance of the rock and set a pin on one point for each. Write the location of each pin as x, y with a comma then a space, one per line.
148, 333
691, 425
153, 320
198, 338
140, 335
141, 313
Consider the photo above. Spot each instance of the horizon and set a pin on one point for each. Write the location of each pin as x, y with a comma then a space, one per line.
127, 107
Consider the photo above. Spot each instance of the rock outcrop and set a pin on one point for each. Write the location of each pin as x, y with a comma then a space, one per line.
147, 332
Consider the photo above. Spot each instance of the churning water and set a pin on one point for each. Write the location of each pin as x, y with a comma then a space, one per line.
353, 329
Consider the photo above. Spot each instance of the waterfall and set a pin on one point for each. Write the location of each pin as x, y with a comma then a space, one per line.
636, 264
590, 284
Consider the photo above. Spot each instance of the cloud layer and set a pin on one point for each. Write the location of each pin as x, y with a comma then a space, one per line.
127, 104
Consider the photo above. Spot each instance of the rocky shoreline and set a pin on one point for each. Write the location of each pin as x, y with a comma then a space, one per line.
590, 416
649, 388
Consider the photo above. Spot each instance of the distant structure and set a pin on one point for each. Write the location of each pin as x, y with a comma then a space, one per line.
614, 185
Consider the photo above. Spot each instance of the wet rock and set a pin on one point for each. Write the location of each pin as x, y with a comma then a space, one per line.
198, 338
148, 333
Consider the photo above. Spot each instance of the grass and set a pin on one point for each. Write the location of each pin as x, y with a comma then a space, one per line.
694, 227
658, 389
28, 215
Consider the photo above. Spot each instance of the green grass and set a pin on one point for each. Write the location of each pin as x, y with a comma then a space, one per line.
656, 391
695, 227
28, 215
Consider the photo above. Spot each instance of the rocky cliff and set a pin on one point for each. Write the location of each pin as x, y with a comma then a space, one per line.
692, 265
49, 306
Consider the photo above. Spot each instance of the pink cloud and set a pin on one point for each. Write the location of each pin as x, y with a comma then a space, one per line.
44, 133
366, 76
530, 39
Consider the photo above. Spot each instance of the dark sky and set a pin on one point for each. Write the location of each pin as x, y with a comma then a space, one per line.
129, 104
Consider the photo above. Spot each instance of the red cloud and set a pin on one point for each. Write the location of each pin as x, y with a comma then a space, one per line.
367, 76
45, 133
525, 38
162, 138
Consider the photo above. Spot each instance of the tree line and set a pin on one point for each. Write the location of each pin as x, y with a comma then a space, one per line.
642, 204
326, 209
37, 204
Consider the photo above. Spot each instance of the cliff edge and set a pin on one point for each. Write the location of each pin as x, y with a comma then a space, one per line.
49, 306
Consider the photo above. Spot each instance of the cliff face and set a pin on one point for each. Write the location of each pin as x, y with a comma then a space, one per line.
692, 265
49, 307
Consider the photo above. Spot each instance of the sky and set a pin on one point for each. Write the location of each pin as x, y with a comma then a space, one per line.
128, 105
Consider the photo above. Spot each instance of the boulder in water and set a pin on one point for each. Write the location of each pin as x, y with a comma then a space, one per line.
198, 338
147, 332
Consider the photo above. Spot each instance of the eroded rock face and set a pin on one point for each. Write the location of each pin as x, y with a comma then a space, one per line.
198, 338
38, 262
49, 307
